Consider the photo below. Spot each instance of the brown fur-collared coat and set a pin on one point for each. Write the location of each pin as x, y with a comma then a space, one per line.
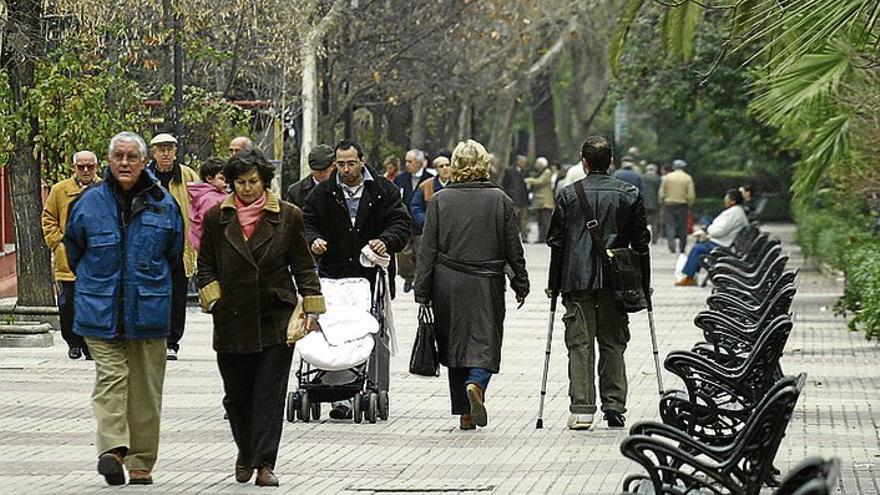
248, 284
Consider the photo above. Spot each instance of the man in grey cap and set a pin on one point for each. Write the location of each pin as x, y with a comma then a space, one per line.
320, 159
677, 195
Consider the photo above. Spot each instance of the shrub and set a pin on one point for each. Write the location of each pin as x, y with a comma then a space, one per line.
840, 234
861, 296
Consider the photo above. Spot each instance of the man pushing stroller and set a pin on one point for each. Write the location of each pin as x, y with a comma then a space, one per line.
354, 208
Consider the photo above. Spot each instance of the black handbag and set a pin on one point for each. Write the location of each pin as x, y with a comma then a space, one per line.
620, 268
425, 360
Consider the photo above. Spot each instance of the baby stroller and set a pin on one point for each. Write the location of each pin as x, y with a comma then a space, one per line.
345, 359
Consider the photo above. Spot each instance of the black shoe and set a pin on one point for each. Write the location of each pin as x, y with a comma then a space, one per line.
340, 411
110, 467
407, 286
171, 354
615, 420
87, 354
74, 353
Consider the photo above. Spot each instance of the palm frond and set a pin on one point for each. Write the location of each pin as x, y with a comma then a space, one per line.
615, 51
829, 146
788, 93
679, 27
789, 33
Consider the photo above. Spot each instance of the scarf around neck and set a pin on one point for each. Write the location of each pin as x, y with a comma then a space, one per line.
249, 215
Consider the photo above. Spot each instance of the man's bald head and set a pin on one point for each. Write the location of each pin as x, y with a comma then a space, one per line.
241, 143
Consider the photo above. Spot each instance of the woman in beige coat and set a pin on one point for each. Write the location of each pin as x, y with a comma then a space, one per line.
542, 199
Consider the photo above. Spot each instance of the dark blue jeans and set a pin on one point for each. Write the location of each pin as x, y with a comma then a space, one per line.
459, 378
692, 266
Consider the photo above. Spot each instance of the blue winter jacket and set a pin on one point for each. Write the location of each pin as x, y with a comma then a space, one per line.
123, 270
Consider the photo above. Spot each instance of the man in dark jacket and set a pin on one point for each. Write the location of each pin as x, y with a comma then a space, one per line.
514, 184
416, 173
356, 207
123, 237
650, 194
629, 174
320, 160
591, 313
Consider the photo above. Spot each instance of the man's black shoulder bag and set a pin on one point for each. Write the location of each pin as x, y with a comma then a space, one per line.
621, 267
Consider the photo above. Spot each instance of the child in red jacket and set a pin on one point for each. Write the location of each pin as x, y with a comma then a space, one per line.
204, 195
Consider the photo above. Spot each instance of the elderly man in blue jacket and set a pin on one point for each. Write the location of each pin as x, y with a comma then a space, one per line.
122, 237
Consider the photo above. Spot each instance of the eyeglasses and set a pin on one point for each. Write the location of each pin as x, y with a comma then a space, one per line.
350, 163
85, 167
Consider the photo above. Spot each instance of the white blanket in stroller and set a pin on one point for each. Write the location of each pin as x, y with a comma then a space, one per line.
345, 339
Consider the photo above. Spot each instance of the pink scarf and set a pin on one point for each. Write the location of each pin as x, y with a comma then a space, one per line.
249, 215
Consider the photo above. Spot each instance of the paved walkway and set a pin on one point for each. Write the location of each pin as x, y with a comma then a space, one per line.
47, 437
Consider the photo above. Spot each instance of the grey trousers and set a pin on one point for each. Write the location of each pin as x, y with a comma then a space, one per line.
675, 217
593, 316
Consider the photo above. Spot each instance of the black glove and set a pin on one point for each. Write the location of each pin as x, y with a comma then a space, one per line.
554, 278
645, 262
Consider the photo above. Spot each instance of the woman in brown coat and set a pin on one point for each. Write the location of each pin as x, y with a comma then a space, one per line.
253, 249
470, 235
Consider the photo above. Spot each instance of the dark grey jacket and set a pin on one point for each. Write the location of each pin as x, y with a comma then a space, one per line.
470, 234
621, 215
651, 192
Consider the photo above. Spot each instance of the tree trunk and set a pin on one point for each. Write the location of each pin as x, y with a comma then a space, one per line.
397, 124
579, 92
309, 102
23, 47
502, 130
465, 118
417, 129
544, 118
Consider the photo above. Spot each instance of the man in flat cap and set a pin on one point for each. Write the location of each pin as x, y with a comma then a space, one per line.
677, 195
174, 176
320, 160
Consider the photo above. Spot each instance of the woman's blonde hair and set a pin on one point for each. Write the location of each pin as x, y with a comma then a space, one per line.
470, 162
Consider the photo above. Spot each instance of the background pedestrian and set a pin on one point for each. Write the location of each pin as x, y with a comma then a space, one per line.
677, 195
470, 235
174, 176
54, 220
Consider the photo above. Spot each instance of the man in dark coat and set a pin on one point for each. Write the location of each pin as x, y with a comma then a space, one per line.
650, 194
320, 160
409, 181
591, 313
514, 184
629, 174
356, 207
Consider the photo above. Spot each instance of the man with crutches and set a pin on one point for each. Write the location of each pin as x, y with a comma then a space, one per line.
591, 312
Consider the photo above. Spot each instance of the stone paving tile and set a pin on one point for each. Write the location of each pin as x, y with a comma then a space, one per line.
47, 436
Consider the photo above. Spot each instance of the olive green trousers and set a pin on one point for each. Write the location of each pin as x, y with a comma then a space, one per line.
593, 316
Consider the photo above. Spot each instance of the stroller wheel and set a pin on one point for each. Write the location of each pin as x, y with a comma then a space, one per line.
356, 411
373, 410
304, 407
292, 406
316, 410
383, 405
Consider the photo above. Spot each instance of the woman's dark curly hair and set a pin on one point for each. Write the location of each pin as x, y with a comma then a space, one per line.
245, 161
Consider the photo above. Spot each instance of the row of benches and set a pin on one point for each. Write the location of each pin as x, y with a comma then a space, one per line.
720, 433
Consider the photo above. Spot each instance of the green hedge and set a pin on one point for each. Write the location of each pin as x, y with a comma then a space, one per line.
842, 237
861, 296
